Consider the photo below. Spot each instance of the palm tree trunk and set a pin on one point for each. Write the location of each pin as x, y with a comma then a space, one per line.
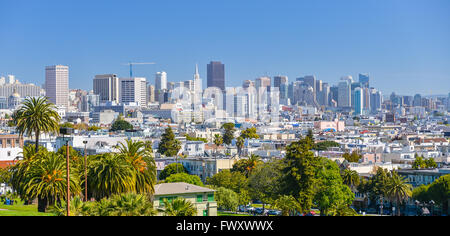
42, 204
37, 141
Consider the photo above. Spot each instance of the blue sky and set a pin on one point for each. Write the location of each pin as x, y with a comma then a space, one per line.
403, 44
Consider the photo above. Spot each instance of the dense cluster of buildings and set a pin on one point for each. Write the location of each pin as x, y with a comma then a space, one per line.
388, 132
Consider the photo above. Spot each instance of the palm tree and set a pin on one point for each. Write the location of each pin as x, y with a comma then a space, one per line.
138, 155
240, 144
178, 207
287, 205
398, 189
350, 178
77, 207
131, 204
252, 162
218, 140
110, 174
36, 115
46, 180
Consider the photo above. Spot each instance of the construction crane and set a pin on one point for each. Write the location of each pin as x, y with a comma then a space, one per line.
137, 63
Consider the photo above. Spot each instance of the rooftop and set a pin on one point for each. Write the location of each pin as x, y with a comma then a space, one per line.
177, 188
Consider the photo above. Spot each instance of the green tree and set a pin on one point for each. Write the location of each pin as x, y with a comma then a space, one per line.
178, 207
110, 174
439, 191
331, 193
172, 169
353, 157
189, 138
46, 180
218, 141
235, 181
350, 178
300, 173
323, 146
288, 205
169, 146
430, 163
421, 193
227, 199
419, 162
398, 190
240, 144
184, 178
132, 204
264, 182
228, 135
36, 115
249, 133
139, 156
121, 124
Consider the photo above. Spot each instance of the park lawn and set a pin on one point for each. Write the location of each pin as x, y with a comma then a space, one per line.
21, 210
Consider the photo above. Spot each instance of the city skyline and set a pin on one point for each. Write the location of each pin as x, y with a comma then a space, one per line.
386, 40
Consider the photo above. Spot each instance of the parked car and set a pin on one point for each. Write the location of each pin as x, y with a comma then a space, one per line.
249, 209
261, 211
274, 213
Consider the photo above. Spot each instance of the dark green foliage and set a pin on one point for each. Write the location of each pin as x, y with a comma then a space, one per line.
323, 146
121, 124
228, 135
184, 178
169, 146
249, 133
172, 169
189, 138
235, 181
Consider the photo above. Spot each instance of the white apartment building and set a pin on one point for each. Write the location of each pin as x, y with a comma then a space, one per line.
160, 81
57, 84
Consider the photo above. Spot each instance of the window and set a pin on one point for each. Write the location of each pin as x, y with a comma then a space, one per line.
210, 197
199, 198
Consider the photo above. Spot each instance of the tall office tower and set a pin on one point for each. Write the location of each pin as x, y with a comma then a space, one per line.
263, 82
160, 81
376, 99
170, 86
366, 95
408, 101
318, 87
281, 82
248, 83
359, 101
311, 81
107, 86
334, 94
417, 102
189, 85
344, 94
57, 84
151, 94
364, 80
216, 75
448, 102
133, 90
323, 96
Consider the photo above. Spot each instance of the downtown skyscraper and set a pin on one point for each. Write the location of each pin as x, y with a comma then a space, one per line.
216, 75
57, 84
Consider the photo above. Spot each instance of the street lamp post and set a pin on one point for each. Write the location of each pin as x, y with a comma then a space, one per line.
85, 171
67, 131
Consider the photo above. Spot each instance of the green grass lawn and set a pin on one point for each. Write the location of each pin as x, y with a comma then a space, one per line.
21, 210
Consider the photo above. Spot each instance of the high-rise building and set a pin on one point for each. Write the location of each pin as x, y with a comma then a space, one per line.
311, 81
364, 80
248, 83
151, 94
376, 99
216, 75
344, 93
263, 82
417, 101
281, 82
359, 101
57, 84
107, 87
133, 90
160, 81
323, 96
